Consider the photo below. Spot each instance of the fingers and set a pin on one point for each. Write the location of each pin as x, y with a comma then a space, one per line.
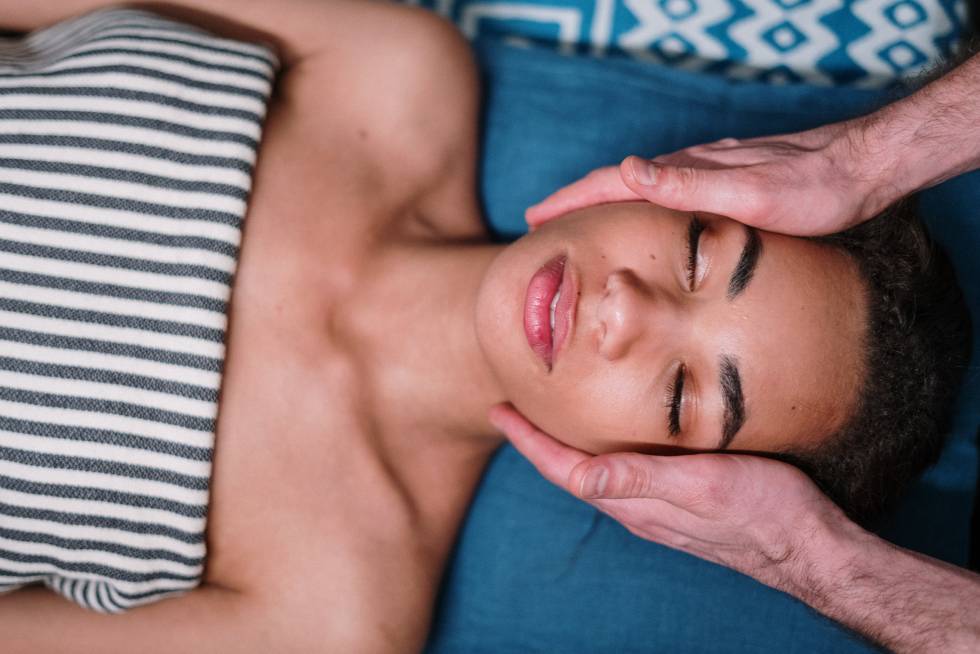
654, 520
694, 482
658, 519
724, 191
601, 186
553, 460
700, 484
624, 475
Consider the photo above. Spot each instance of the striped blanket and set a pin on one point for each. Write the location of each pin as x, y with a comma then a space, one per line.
127, 144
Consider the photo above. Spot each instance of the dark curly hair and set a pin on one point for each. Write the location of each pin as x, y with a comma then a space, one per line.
916, 351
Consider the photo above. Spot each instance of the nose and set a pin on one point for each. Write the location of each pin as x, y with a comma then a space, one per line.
627, 310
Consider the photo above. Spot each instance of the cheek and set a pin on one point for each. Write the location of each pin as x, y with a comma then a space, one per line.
596, 411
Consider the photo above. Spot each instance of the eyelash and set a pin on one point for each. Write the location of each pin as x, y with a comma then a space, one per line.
694, 230
675, 392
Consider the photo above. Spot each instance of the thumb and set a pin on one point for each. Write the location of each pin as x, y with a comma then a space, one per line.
623, 475
601, 186
686, 188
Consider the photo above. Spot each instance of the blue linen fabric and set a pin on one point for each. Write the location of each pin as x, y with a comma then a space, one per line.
536, 570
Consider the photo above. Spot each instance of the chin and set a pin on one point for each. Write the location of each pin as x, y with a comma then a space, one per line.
499, 315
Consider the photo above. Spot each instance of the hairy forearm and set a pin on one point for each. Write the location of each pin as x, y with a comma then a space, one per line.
905, 601
930, 136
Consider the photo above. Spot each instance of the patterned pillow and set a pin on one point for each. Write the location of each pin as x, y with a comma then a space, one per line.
865, 43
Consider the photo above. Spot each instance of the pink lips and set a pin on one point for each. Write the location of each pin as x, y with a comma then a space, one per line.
545, 283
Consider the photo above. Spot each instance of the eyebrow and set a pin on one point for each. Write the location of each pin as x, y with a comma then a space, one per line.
744, 269
731, 391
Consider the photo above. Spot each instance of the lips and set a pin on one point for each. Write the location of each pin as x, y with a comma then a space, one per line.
548, 307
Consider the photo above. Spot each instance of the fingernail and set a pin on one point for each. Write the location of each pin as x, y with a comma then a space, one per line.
644, 172
594, 484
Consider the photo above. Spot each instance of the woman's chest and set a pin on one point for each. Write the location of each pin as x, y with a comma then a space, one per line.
294, 432
301, 470
306, 502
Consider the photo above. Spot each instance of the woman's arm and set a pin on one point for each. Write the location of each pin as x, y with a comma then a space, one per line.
299, 29
210, 619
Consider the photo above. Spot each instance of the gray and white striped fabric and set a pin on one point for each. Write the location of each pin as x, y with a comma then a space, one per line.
127, 145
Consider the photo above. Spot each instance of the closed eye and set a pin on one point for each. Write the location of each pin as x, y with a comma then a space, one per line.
675, 393
694, 229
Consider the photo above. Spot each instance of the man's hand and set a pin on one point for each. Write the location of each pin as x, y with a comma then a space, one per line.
816, 182
744, 512
767, 520
820, 181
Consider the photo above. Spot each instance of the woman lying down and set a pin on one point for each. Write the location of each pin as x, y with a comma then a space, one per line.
371, 326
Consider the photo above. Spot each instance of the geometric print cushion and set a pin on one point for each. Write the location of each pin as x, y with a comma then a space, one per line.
861, 43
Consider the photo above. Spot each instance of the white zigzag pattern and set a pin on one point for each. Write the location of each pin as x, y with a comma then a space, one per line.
655, 24
865, 51
568, 19
801, 59
659, 23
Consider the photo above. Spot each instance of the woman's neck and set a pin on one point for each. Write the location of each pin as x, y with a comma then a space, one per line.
412, 326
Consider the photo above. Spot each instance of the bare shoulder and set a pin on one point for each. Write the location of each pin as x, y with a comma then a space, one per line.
398, 92
399, 66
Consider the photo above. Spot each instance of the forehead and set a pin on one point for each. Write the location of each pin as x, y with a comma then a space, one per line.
801, 362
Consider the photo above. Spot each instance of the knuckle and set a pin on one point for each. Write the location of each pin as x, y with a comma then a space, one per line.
637, 481
697, 149
679, 541
682, 178
727, 142
632, 477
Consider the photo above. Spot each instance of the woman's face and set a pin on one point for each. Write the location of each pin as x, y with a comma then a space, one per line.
674, 330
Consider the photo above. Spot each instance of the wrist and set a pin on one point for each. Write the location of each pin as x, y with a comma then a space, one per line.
881, 166
925, 138
903, 162
827, 558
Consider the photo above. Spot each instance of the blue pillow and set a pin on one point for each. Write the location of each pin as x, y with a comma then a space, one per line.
536, 570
